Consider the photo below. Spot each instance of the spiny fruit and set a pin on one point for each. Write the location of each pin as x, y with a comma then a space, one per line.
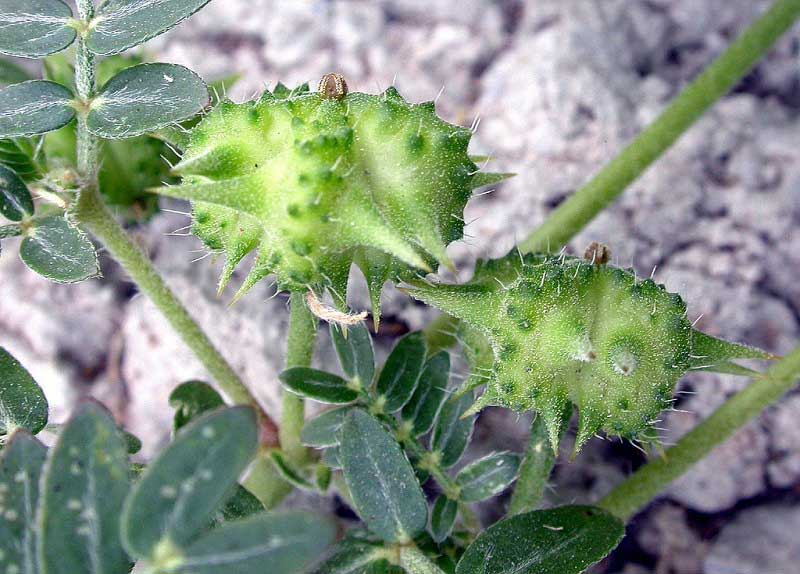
544, 331
317, 181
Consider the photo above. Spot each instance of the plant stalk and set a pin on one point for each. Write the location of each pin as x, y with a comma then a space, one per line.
646, 483
299, 352
723, 74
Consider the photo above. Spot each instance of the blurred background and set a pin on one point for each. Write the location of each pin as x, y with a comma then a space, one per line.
556, 88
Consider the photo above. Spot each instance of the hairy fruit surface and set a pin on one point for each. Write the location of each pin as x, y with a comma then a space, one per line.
544, 331
317, 181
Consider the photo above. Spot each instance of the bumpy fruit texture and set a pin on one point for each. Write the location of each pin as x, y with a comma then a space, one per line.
315, 182
544, 331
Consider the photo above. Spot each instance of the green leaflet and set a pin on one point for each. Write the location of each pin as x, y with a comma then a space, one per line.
318, 385
452, 430
285, 542
20, 469
123, 24
487, 476
11, 73
180, 490
191, 399
443, 517
354, 349
22, 402
386, 494
420, 412
35, 28
564, 540
145, 98
401, 371
322, 430
34, 107
84, 485
15, 199
58, 251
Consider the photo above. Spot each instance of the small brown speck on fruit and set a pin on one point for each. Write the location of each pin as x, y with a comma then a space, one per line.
332, 86
597, 253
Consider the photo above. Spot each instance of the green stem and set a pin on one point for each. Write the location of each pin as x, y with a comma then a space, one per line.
92, 212
646, 483
299, 352
577, 211
535, 469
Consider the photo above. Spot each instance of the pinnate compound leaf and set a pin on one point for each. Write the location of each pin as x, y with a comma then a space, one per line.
400, 374
487, 476
35, 28
451, 433
191, 399
318, 385
431, 391
563, 540
20, 468
22, 402
443, 517
83, 489
179, 492
385, 491
323, 430
123, 24
283, 543
34, 107
354, 349
145, 98
58, 251
15, 199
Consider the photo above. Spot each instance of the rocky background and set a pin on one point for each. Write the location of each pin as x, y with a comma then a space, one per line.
558, 86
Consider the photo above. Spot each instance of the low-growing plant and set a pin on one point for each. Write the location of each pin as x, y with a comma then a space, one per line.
314, 182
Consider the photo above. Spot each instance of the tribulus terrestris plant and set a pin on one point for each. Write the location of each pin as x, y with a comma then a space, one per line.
314, 181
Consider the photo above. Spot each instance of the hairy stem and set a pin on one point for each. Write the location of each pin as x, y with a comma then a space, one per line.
535, 469
577, 211
299, 352
646, 483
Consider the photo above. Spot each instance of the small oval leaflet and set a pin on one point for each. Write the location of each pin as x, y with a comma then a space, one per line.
20, 469
84, 486
487, 476
123, 24
190, 400
385, 491
322, 430
58, 251
35, 28
15, 199
355, 352
400, 374
181, 489
451, 433
431, 391
34, 107
563, 540
443, 517
318, 385
285, 542
22, 402
145, 98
